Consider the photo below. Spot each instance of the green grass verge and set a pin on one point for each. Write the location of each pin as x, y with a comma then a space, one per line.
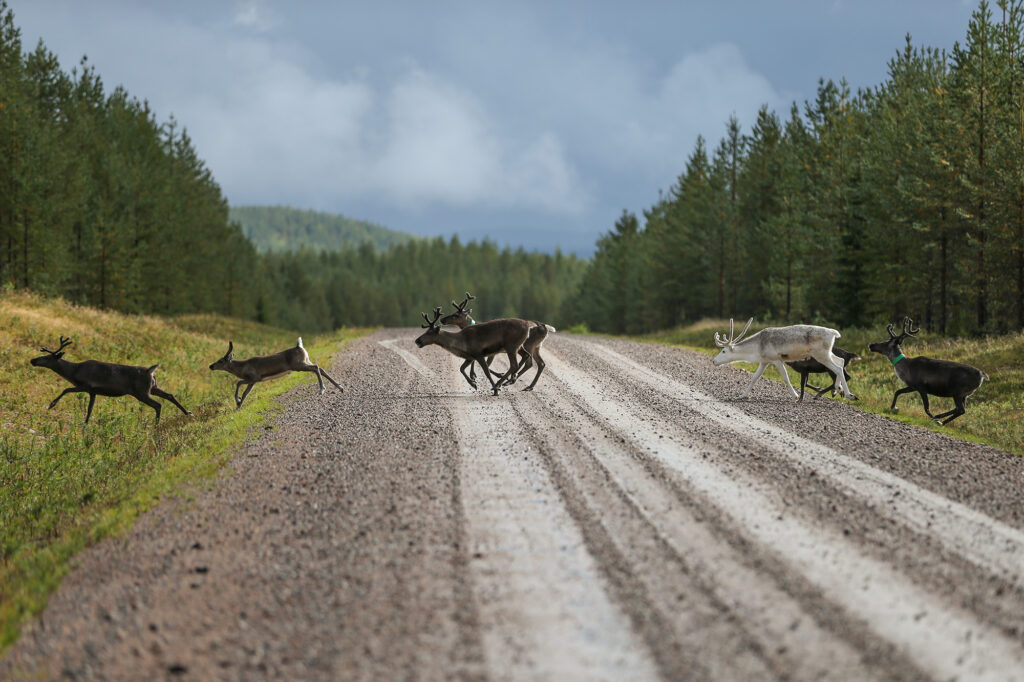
63, 485
995, 413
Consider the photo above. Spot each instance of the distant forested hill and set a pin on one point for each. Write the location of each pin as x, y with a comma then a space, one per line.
281, 228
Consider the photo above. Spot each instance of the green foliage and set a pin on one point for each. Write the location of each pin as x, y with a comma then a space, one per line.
64, 485
281, 228
906, 199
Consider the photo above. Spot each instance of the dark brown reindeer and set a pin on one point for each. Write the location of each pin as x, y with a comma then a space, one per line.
812, 366
530, 351
267, 367
942, 378
480, 341
105, 378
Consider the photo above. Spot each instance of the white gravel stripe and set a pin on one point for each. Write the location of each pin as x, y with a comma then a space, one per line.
977, 537
544, 610
409, 358
943, 640
769, 614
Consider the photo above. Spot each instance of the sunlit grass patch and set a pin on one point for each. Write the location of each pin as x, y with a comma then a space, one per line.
64, 485
994, 413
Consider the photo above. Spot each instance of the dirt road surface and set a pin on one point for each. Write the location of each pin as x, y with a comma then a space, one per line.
627, 520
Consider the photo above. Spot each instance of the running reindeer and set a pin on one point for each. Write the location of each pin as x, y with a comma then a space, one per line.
530, 351
778, 345
942, 378
105, 378
267, 367
812, 366
479, 342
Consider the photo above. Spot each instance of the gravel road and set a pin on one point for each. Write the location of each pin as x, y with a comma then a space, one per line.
627, 520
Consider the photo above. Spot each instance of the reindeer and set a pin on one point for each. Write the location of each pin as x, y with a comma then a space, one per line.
812, 366
462, 319
267, 367
942, 378
776, 345
104, 378
480, 341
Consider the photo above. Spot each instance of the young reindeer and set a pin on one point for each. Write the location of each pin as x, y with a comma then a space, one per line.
812, 366
267, 367
777, 345
480, 341
530, 351
104, 378
942, 378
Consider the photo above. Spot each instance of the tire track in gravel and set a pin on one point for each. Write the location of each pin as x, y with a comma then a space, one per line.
732, 620
941, 639
544, 613
984, 541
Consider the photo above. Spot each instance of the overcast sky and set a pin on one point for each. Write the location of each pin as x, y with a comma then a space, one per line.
534, 123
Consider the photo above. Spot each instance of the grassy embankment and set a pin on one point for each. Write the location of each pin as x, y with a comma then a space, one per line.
995, 413
64, 485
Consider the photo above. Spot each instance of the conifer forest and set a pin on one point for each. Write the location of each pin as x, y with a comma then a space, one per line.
852, 208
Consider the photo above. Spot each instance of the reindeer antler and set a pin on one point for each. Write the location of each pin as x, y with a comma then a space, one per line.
430, 324
892, 334
64, 343
461, 307
908, 327
731, 339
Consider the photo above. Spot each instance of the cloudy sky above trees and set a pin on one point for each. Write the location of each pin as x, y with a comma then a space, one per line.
533, 123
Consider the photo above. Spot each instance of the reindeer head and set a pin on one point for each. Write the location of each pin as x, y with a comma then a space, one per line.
433, 329
728, 344
52, 356
891, 348
461, 318
226, 360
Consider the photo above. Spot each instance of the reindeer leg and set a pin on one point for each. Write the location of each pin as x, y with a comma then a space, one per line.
471, 377
242, 399
523, 366
238, 401
527, 362
803, 382
757, 375
897, 394
785, 375
160, 393
924, 401
152, 403
821, 391
73, 389
329, 378
487, 373
834, 364
961, 408
540, 369
88, 412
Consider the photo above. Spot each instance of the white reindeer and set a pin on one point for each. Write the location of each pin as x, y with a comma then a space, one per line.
778, 345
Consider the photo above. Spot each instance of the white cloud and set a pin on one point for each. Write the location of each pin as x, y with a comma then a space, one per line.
255, 15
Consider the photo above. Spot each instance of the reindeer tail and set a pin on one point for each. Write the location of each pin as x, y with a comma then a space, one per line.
300, 343
152, 370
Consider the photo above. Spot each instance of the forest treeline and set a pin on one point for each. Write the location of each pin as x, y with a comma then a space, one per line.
103, 205
904, 199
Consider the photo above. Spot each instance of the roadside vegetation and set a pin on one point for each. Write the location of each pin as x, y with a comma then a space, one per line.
63, 485
994, 413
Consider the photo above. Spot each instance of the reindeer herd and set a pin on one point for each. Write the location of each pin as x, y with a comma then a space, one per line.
808, 349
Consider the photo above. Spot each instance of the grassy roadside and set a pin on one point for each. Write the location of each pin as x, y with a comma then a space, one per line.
64, 486
995, 413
